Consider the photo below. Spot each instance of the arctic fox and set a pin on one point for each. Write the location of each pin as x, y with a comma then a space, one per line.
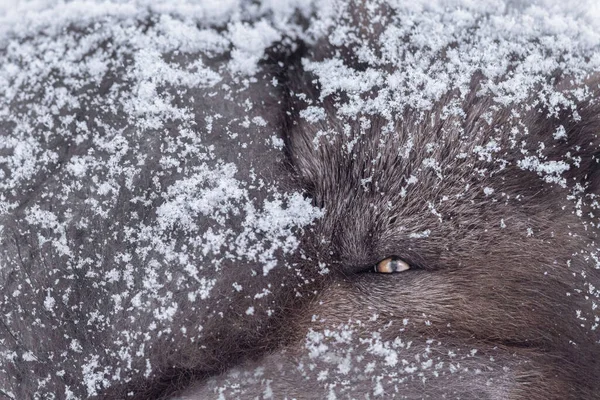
340, 224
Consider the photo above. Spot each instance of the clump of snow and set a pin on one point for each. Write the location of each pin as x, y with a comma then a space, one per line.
249, 42
549, 170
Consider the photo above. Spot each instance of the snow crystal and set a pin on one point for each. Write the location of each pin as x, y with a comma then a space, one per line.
420, 235
49, 302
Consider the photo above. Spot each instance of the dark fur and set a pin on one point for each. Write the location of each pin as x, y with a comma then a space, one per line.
474, 284
481, 282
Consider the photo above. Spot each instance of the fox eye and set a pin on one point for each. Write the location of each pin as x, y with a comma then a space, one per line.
391, 265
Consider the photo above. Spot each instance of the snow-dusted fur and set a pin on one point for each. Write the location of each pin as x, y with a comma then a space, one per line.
493, 280
180, 230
